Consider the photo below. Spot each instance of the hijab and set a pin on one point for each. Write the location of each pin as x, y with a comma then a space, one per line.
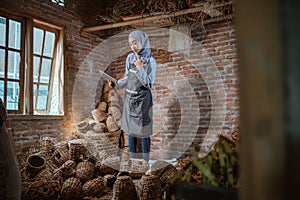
145, 52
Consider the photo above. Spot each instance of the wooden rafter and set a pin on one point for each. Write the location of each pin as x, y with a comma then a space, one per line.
152, 18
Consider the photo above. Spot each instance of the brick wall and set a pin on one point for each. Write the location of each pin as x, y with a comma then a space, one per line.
195, 95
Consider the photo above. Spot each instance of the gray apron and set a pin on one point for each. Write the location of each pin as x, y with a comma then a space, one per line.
137, 110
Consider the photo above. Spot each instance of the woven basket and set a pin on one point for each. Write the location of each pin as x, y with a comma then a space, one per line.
115, 111
83, 126
71, 189
35, 163
46, 145
109, 165
109, 180
102, 106
137, 167
51, 165
113, 97
99, 115
150, 188
61, 155
93, 187
108, 142
100, 128
112, 125
164, 170
124, 189
45, 174
85, 171
77, 152
69, 163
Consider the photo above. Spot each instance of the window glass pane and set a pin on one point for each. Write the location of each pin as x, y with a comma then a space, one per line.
49, 44
42, 97
2, 63
13, 65
2, 31
36, 65
12, 100
38, 36
2, 90
34, 94
14, 40
46, 70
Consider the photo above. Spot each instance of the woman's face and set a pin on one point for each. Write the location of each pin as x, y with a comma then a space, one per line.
134, 45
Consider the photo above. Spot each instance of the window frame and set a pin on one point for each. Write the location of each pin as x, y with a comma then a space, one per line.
26, 104
22, 61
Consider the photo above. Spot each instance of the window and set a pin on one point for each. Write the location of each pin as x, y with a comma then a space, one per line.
32, 84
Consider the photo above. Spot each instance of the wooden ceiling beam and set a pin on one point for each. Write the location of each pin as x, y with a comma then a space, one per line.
149, 19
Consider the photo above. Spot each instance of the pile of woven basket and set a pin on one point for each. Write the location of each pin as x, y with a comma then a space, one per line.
69, 171
90, 164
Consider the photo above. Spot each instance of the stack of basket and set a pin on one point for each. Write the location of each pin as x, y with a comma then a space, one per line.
102, 129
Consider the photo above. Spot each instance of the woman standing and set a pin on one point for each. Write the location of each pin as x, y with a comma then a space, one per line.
138, 80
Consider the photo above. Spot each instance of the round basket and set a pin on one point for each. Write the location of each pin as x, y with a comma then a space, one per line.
109, 180
150, 188
77, 152
100, 127
124, 189
115, 111
51, 165
112, 125
113, 97
35, 163
61, 155
137, 167
85, 171
69, 163
99, 115
109, 165
164, 170
45, 174
102, 106
71, 189
83, 126
46, 145
93, 187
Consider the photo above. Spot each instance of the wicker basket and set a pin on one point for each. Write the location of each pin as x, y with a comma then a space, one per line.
149, 188
51, 165
164, 170
102, 106
115, 111
109, 165
77, 152
113, 97
93, 187
137, 167
61, 155
46, 146
112, 125
100, 128
69, 163
71, 189
83, 126
85, 171
99, 115
109, 180
124, 189
45, 174
35, 163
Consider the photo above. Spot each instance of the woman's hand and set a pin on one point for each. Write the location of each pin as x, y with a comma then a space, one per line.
138, 63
